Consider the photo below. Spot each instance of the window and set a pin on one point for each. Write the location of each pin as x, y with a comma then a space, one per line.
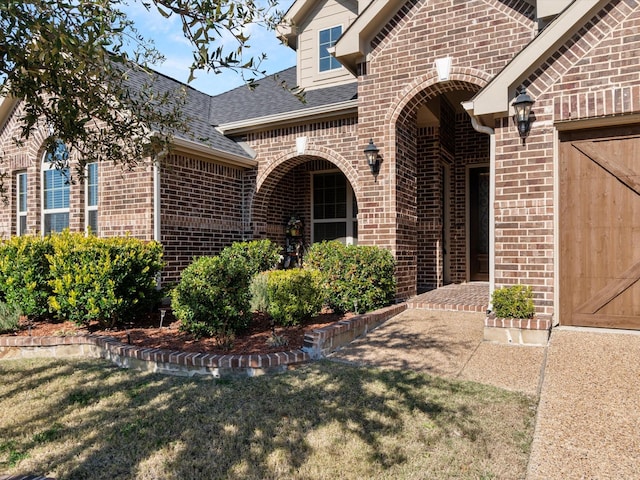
55, 190
21, 202
328, 38
335, 209
92, 198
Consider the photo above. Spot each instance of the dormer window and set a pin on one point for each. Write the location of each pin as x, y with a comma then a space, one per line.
328, 38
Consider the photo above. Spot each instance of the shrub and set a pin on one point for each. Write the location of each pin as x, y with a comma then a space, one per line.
293, 295
515, 301
24, 274
104, 279
212, 297
355, 278
259, 290
9, 317
258, 255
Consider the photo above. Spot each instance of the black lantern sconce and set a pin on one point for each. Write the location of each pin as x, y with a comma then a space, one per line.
522, 113
371, 152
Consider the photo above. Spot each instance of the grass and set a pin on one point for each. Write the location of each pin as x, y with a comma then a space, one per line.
87, 419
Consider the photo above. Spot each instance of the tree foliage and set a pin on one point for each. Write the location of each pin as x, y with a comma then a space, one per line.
83, 71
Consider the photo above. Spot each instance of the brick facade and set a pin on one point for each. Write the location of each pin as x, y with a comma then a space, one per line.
206, 205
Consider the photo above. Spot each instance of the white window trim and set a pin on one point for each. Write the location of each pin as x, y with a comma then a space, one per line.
90, 208
331, 70
349, 219
21, 214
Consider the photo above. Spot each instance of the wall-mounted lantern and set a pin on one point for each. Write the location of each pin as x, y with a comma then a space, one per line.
522, 112
371, 152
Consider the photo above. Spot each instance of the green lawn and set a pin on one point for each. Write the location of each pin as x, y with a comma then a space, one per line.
88, 419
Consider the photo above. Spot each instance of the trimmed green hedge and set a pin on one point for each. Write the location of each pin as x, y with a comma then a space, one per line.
212, 298
79, 278
258, 255
293, 295
355, 278
515, 301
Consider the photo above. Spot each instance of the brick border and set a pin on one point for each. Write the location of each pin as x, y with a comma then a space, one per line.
317, 344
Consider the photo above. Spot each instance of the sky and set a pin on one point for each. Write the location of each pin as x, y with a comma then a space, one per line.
169, 40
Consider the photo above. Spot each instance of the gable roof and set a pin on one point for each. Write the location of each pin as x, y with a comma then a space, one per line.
494, 99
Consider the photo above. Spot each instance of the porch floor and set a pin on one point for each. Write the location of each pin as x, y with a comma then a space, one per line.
463, 297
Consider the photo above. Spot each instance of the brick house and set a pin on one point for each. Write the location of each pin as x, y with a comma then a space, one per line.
459, 196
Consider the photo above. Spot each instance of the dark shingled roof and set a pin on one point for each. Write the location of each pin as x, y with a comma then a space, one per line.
270, 98
196, 110
204, 112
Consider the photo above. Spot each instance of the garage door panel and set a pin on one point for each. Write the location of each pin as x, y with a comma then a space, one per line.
600, 229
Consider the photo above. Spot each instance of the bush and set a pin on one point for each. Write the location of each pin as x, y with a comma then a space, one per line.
212, 297
9, 317
259, 290
355, 278
515, 301
24, 274
258, 255
104, 279
293, 295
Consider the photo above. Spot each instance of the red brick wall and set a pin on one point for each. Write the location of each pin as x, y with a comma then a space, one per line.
202, 210
593, 75
481, 36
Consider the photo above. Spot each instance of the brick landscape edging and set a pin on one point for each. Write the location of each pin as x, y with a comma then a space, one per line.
317, 343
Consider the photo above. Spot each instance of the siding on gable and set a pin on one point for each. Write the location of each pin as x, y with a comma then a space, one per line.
326, 14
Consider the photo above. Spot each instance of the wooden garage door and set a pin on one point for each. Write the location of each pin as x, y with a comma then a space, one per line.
600, 228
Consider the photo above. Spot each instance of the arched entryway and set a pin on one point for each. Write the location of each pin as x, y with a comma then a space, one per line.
437, 145
312, 190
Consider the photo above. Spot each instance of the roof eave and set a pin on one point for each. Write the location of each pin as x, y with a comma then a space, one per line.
322, 112
7, 105
352, 46
190, 147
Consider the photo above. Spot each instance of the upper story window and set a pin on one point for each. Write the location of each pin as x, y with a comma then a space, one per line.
92, 198
55, 190
328, 38
21, 203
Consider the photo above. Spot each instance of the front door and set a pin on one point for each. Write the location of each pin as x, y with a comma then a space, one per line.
479, 224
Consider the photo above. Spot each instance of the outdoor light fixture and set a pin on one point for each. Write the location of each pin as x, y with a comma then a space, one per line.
522, 108
371, 152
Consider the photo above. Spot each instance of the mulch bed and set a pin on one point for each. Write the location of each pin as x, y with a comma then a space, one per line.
147, 333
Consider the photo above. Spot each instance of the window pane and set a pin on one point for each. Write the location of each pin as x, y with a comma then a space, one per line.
329, 231
93, 221
22, 225
22, 192
328, 39
56, 189
55, 222
92, 184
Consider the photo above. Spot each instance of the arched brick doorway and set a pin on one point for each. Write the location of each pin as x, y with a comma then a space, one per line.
443, 183
312, 189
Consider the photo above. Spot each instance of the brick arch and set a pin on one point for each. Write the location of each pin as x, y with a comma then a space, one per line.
268, 179
428, 86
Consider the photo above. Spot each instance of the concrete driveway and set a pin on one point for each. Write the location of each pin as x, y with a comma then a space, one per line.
587, 380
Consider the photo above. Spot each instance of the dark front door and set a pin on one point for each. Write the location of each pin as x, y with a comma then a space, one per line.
479, 224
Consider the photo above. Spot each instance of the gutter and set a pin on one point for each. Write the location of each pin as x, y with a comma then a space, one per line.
478, 127
197, 148
286, 118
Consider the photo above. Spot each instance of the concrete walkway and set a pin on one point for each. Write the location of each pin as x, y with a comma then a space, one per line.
588, 420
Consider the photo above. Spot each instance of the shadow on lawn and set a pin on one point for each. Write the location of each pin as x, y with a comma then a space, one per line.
112, 423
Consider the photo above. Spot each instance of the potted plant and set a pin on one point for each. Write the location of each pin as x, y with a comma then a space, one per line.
294, 226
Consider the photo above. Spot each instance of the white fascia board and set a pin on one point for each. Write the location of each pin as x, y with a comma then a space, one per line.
7, 104
353, 42
285, 118
196, 148
496, 96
